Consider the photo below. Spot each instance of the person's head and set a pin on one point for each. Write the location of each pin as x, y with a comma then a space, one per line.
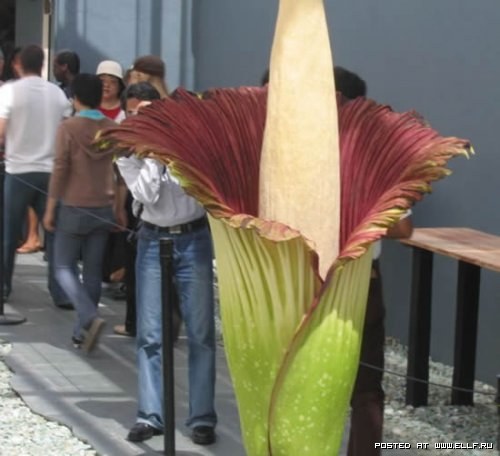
31, 59
111, 75
150, 68
87, 91
349, 84
135, 94
66, 66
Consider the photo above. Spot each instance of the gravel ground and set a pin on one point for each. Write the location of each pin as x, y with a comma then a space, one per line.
440, 421
23, 433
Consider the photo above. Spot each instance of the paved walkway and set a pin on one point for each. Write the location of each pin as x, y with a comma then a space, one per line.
95, 395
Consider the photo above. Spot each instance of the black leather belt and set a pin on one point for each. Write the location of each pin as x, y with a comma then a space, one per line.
177, 229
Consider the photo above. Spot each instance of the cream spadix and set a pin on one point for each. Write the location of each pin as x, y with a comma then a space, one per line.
301, 128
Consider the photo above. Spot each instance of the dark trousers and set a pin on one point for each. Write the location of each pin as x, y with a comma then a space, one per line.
367, 402
21, 191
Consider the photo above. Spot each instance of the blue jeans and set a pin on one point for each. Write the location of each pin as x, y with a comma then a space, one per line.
81, 232
21, 191
193, 276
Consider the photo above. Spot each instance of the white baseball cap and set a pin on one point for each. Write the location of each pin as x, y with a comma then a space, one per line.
110, 67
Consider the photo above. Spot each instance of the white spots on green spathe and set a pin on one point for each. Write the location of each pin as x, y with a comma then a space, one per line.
325, 380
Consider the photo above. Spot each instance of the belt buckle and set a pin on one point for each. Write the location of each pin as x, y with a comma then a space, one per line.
176, 229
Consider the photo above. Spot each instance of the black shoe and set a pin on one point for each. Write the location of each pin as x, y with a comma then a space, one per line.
65, 306
203, 435
141, 432
77, 343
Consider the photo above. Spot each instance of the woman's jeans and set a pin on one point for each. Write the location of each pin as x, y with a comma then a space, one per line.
81, 232
193, 277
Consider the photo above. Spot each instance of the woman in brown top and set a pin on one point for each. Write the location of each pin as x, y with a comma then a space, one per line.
82, 182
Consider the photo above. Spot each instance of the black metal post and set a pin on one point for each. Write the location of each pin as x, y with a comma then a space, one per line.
167, 293
464, 366
497, 402
497, 399
4, 318
420, 328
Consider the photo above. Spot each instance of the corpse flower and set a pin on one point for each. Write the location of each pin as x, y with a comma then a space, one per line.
295, 197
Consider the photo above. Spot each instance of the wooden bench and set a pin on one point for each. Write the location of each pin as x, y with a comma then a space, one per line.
474, 250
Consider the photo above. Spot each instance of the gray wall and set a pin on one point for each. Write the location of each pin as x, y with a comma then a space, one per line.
121, 30
440, 58
28, 22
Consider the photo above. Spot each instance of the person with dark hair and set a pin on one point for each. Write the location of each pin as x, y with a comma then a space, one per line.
367, 401
30, 112
65, 66
86, 210
32, 58
170, 213
111, 75
137, 93
348, 83
133, 98
29, 238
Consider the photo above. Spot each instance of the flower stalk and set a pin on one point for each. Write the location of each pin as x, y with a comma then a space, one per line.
299, 168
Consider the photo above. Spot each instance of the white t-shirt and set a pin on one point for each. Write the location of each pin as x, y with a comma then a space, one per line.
33, 108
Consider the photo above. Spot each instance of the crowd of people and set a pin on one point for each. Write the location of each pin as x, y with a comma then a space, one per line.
90, 201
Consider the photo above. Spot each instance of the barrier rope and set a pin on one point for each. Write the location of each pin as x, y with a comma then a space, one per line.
427, 382
80, 209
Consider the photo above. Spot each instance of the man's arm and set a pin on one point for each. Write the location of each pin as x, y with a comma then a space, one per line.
6, 99
142, 176
3, 127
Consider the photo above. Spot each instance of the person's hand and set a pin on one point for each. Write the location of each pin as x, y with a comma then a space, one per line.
143, 104
49, 221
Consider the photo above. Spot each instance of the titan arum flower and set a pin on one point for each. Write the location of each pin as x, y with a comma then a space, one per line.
294, 200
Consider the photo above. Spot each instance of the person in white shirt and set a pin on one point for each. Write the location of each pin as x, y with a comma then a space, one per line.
31, 109
168, 212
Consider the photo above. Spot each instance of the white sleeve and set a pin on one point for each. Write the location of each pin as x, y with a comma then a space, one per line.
406, 214
68, 110
6, 99
143, 177
68, 106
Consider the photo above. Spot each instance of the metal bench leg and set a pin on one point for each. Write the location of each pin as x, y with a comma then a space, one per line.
469, 276
420, 327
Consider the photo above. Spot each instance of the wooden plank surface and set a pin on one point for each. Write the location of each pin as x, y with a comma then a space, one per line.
466, 244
